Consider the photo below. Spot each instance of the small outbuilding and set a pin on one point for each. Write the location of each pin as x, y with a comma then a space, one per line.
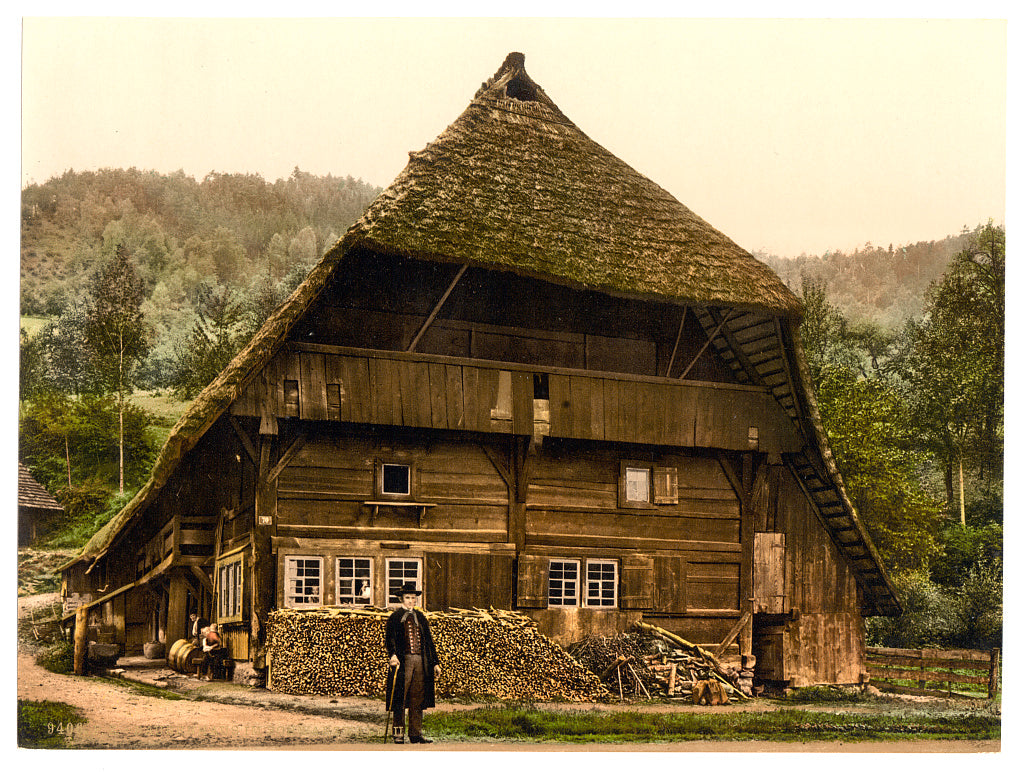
38, 511
528, 378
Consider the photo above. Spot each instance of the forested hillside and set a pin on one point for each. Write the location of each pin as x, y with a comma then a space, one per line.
885, 285
220, 252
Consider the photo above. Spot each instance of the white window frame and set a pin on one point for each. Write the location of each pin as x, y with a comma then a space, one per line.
641, 497
410, 469
230, 584
596, 586
356, 599
291, 597
417, 578
563, 598
635, 501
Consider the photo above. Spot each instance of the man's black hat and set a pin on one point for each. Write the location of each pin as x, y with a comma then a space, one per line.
409, 588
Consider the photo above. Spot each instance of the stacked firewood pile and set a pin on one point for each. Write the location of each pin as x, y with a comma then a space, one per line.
492, 653
650, 662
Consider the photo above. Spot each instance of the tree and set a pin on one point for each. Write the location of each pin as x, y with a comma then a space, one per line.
867, 429
68, 442
865, 419
32, 370
217, 335
117, 334
955, 367
69, 368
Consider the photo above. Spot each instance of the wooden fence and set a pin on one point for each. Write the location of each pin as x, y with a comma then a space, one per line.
935, 671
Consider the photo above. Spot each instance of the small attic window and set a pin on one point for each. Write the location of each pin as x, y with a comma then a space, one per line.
522, 89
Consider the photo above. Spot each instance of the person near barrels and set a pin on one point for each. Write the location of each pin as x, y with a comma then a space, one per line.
414, 666
196, 626
213, 652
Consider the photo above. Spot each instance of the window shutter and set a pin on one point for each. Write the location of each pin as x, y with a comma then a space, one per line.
666, 485
501, 581
435, 585
532, 589
636, 582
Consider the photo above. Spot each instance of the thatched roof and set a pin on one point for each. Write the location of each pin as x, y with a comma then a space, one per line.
514, 185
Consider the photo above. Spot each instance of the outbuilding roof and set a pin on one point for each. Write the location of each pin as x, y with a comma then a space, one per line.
32, 495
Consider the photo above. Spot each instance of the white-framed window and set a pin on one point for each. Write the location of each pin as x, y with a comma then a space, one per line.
645, 486
229, 589
400, 571
638, 484
395, 480
602, 583
563, 582
303, 581
355, 581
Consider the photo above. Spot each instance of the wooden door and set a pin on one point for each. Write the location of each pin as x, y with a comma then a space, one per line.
769, 573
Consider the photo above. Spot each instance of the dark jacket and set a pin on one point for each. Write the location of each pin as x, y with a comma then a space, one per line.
199, 631
396, 644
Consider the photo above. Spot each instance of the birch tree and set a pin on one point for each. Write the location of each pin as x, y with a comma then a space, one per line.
116, 334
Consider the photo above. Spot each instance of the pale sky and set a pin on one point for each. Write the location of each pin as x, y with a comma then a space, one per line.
789, 136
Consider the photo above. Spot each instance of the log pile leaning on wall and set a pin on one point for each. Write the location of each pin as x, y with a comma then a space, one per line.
492, 653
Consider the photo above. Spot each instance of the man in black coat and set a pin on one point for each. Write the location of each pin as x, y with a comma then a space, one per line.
413, 666
196, 624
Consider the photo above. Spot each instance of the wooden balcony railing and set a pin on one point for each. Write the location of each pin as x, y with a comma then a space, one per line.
331, 383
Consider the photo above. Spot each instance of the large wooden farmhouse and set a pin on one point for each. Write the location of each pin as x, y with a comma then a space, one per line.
530, 378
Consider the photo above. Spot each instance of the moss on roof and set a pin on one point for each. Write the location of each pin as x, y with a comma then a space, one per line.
513, 184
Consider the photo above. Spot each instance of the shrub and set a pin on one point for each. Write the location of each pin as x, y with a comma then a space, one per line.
977, 607
59, 658
926, 619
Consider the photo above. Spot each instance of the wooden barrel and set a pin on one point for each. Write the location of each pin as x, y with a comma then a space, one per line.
185, 658
172, 655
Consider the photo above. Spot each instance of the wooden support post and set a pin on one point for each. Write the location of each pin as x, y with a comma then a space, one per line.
746, 487
177, 608
521, 476
675, 348
81, 644
264, 569
746, 639
120, 630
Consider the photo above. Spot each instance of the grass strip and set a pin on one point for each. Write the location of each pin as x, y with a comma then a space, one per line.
633, 727
46, 724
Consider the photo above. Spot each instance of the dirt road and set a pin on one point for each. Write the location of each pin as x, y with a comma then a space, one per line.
118, 718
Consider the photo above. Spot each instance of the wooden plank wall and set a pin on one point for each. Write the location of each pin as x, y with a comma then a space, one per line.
397, 392
826, 643
572, 500
442, 393
620, 410
324, 488
572, 510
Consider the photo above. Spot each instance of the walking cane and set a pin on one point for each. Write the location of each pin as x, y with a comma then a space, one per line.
394, 679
